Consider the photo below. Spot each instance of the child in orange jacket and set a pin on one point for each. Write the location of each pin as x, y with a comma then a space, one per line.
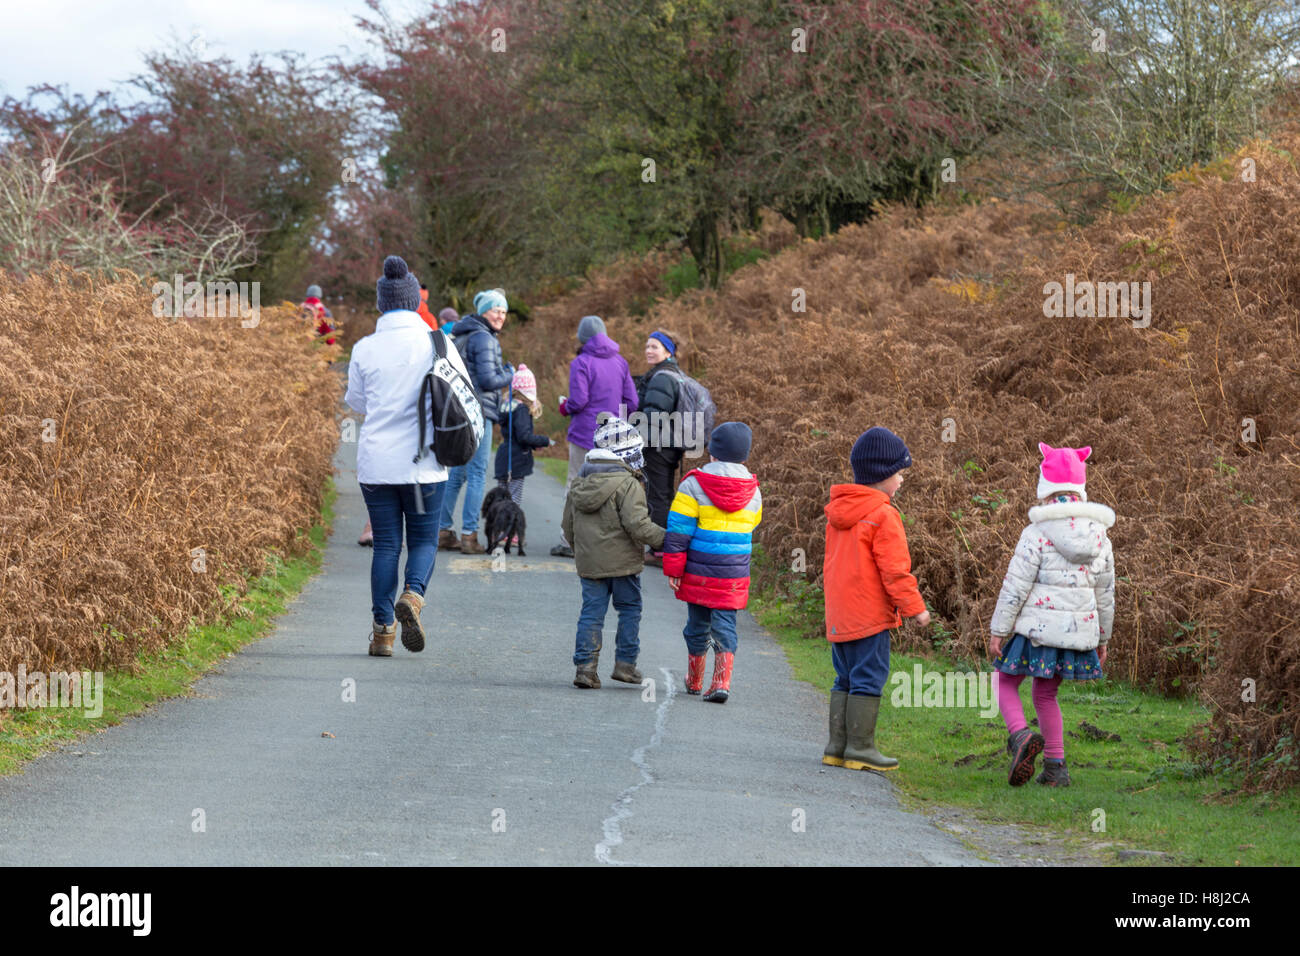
868, 583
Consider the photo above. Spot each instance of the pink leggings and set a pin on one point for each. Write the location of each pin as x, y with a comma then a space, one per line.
1050, 722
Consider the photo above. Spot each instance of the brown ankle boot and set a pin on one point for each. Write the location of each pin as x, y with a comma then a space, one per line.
626, 672
381, 640
447, 540
408, 609
469, 544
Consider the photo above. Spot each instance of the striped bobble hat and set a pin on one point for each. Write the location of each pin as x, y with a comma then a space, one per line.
619, 437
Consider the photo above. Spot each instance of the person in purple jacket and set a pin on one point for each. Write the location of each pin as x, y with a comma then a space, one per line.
599, 381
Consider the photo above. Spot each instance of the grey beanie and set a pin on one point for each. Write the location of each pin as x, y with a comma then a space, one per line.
589, 326
398, 289
313, 292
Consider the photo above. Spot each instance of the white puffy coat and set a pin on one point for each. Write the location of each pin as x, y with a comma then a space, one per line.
1060, 587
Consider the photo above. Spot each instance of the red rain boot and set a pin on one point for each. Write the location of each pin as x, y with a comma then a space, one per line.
695, 673
720, 689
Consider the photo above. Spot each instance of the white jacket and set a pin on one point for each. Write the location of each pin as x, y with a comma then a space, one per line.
1060, 587
385, 373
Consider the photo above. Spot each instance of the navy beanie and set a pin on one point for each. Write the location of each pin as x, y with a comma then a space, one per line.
398, 289
731, 441
877, 454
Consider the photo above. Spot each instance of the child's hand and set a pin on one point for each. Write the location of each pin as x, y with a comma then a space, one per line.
995, 646
923, 618
674, 583
1101, 652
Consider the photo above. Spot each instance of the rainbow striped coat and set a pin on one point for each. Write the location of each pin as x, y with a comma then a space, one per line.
709, 535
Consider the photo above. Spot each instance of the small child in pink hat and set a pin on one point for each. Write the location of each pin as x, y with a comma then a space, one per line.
1058, 600
514, 460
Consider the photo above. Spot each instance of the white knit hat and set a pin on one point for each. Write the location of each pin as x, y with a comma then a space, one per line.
619, 437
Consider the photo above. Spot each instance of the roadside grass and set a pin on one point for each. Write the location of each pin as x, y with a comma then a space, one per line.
1154, 795
26, 734
557, 468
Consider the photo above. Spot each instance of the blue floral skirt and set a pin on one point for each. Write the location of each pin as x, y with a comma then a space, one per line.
1019, 656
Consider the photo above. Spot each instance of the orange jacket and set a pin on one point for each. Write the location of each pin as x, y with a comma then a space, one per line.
423, 311
867, 574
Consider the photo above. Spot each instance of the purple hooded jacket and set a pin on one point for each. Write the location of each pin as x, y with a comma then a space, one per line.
599, 381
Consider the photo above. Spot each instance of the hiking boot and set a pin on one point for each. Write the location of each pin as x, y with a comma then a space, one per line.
860, 753
447, 540
695, 673
1024, 745
833, 755
587, 676
381, 640
720, 688
469, 544
367, 539
1054, 773
408, 609
561, 551
626, 672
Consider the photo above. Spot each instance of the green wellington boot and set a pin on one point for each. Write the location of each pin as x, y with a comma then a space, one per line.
834, 753
860, 719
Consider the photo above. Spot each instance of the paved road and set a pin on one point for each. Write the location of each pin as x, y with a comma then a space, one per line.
477, 751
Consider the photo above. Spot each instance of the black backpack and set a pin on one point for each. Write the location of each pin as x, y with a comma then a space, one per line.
448, 409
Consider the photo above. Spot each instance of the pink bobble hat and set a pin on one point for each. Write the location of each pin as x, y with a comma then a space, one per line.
524, 382
1062, 469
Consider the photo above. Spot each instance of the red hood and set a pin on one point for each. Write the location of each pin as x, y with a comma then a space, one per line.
849, 504
727, 493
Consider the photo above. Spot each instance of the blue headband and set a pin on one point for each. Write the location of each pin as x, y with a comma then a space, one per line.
665, 341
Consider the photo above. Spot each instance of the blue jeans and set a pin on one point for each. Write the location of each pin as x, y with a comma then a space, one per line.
387, 505
473, 475
701, 621
861, 666
596, 592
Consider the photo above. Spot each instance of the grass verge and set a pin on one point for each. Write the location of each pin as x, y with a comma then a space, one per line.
1152, 793
557, 468
26, 734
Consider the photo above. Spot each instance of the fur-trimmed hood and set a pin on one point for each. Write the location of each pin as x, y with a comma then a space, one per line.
1077, 529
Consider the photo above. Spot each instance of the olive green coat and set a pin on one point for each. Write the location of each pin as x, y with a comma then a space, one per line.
606, 518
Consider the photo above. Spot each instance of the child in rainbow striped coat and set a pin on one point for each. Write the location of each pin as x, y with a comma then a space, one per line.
706, 554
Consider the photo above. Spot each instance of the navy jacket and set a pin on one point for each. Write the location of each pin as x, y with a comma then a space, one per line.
481, 351
521, 442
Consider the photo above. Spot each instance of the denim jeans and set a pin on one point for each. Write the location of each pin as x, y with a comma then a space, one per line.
701, 621
861, 666
596, 593
387, 505
473, 475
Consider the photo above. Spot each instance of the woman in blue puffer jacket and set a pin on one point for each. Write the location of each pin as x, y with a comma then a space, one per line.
476, 340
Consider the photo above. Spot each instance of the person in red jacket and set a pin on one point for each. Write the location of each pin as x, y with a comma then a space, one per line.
423, 311
869, 588
315, 309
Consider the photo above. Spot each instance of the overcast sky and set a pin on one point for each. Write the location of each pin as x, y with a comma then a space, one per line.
89, 45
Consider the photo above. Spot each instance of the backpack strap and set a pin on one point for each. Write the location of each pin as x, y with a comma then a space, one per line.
426, 389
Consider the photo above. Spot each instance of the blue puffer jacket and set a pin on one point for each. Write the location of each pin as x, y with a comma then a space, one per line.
478, 346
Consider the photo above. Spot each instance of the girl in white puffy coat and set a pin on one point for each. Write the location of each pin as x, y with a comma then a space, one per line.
1058, 600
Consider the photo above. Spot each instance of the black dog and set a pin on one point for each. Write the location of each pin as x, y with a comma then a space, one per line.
504, 520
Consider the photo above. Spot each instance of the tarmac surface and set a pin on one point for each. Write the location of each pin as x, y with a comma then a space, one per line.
477, 751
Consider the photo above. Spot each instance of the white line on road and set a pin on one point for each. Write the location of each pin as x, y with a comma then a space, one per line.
623, 805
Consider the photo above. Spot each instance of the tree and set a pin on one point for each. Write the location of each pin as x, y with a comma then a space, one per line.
846, 103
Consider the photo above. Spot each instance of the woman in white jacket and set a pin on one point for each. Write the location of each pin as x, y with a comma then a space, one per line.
1058, 599
385, 373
